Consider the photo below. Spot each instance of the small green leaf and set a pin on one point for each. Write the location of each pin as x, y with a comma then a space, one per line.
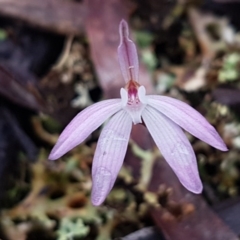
3, 34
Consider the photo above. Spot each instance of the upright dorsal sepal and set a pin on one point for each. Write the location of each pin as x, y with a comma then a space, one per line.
127, 54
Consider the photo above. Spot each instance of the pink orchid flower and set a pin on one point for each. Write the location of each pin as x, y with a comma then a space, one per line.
163, 116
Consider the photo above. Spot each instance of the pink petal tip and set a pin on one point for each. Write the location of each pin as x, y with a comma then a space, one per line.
102, 183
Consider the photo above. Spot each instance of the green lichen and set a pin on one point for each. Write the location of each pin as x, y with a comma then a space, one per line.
230, 71
3, 34
148, 159
143, 39
71, 228
149, 58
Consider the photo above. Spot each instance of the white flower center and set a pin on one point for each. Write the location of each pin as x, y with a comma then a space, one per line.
134, 100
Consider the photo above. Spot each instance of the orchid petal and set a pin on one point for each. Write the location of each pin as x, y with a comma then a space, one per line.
109, 155
127, 54
83, 125
174, 147
187, 118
